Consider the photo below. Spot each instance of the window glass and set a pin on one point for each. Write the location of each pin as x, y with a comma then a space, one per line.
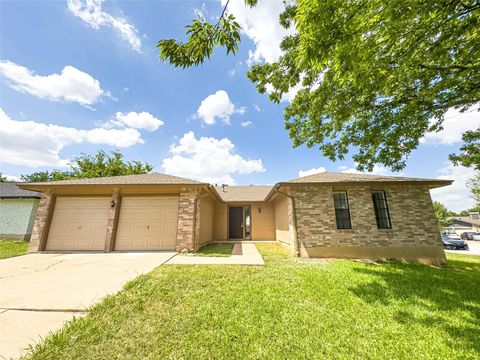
247, 222
382, 215
342, 212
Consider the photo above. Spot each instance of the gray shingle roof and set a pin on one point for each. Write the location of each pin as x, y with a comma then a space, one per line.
140, 179
333, 177
12, 191
243, 193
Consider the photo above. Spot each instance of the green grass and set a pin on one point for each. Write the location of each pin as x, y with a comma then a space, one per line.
216, 250
11, 248
287, 309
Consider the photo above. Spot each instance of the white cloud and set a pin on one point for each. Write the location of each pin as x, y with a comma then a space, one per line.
208, 159
311, 171
90, 11
219, 106
377, 170
246, 123
257, 108
12, 178
71, 85
34, 144
232, 72
454, 125
457, 196
261, 25
143, 120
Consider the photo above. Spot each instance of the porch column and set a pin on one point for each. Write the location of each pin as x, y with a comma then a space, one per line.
292, 223
38, 240
188, 221
113, 215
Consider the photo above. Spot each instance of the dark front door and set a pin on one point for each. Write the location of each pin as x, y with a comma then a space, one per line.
235, 222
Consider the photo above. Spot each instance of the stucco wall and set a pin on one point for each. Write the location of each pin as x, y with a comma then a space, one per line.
263, 222
17, 217
207, 214
220, 224
282, 232
414, 234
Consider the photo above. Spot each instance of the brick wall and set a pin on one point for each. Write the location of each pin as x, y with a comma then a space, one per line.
42, 222
411, 212
188, 221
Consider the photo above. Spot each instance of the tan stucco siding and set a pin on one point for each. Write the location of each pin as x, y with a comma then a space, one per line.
207, 216
282, 232
220, 223
414, 227
263, 221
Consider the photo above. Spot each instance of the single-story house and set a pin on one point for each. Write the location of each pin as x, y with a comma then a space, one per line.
322, 215
461, 224
17, 211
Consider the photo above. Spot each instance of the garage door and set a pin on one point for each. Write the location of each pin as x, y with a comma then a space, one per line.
147, 223
79, 223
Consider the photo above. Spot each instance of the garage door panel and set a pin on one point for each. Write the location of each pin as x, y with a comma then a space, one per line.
78, 223
147, 223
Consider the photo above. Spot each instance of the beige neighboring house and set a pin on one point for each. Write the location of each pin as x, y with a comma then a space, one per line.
461, 224
323, 215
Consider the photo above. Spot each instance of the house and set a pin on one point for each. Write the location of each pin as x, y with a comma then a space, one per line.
17, 211
322, 215
461, 224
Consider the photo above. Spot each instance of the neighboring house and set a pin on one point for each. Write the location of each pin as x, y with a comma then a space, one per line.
322, 215
461, 224
17, 211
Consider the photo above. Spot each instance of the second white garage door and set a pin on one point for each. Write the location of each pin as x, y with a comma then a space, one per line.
147, 223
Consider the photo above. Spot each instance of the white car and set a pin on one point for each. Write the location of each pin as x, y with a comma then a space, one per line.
453, 236
476, 236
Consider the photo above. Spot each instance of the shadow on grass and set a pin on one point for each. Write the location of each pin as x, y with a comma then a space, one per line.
216, 250
446, 298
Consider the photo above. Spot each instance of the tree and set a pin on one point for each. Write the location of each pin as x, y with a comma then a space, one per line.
91, 166
374, 76
441, 212
470, 151
474, 185
3, 179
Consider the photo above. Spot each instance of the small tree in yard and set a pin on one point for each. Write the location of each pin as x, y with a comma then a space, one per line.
90, 166
441, 212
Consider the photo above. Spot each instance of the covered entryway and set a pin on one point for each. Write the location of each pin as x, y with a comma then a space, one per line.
79, 223
147, 223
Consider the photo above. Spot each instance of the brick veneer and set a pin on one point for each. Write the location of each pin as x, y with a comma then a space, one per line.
188, 221
42, 222
113, 215
411, 211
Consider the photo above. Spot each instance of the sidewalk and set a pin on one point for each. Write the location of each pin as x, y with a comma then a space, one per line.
242, 254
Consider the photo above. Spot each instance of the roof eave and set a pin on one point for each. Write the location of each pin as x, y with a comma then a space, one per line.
431, 183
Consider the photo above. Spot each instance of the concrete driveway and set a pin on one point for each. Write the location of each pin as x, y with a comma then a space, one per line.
39, 292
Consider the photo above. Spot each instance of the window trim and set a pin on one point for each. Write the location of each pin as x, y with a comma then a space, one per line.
347, 210
377, 211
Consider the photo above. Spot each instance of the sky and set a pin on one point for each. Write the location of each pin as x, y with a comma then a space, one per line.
79, 76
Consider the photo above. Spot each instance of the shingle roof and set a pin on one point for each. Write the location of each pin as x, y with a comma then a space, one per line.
332, 177
243, 193
11, 190
140, 179
465, 219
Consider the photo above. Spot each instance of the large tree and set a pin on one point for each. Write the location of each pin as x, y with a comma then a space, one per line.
474, 185
441, 212
374, 75
91, 166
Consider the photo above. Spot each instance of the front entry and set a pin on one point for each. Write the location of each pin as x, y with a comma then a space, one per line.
239, 222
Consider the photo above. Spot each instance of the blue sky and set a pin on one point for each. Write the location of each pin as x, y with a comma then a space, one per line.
77, 77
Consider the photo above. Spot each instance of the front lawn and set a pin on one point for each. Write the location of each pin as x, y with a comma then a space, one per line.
287, 309
11, 248
216, 250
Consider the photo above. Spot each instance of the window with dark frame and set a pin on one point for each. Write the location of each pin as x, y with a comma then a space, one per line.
380, 206
342, 210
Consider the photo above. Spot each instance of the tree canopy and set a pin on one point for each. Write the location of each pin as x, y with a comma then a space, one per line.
374, 76
91, 166
441, 212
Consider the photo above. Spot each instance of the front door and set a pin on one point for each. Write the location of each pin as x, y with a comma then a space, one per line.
235, 222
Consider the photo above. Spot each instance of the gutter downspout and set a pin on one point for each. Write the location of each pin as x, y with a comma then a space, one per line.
296, 244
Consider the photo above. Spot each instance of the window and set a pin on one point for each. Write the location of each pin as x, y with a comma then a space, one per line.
342, 212
381, 210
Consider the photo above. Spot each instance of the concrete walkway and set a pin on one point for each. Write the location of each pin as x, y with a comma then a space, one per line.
39, 292
242, 254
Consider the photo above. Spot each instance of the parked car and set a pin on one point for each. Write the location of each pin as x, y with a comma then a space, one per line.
468, 235
453, 236
449, 243
476, 236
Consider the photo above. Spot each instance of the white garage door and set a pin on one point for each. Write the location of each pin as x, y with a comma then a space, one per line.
147, 223
79, 223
